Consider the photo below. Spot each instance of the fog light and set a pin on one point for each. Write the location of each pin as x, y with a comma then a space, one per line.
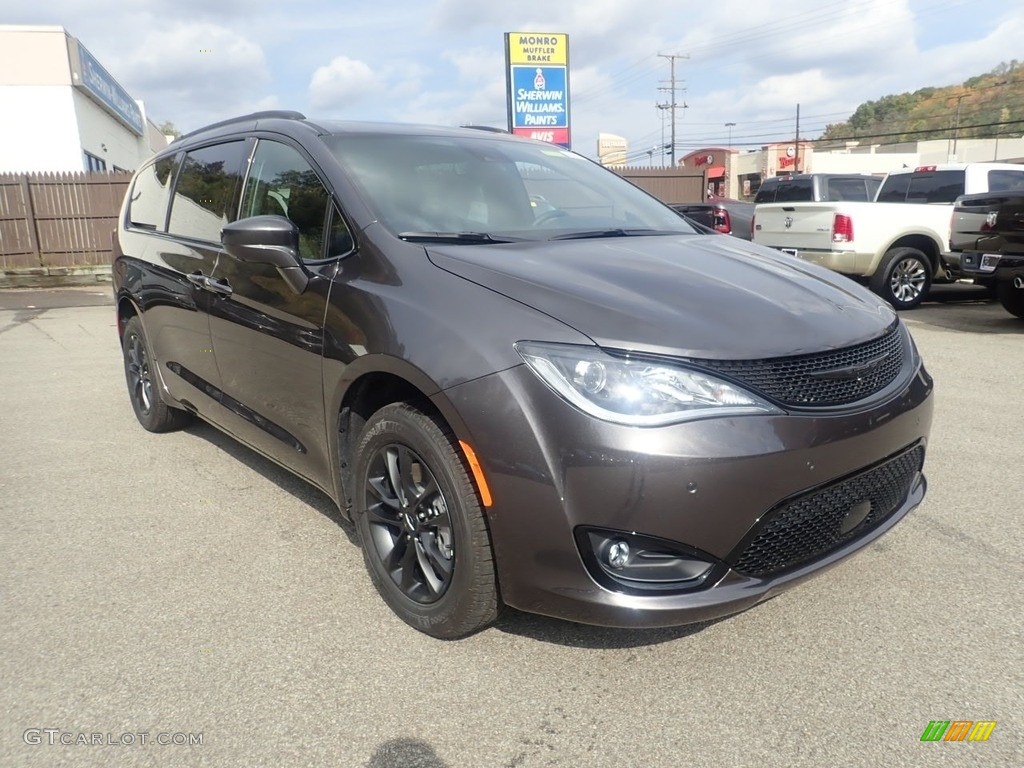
618, 554
637, 564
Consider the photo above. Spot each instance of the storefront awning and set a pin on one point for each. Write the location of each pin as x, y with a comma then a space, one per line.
716, 171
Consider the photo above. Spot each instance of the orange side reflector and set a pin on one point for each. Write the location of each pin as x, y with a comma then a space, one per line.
478, 474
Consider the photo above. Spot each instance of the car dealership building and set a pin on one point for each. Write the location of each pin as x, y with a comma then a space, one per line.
63, 110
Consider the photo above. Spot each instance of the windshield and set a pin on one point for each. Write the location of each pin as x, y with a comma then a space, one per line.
506, 189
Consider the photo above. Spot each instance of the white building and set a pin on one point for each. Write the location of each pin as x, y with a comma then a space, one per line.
62, 111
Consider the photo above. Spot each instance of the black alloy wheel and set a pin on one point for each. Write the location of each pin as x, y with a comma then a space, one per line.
421, 524
143, 389
410, 527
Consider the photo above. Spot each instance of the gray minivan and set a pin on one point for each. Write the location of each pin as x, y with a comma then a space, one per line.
818, 188
524, 381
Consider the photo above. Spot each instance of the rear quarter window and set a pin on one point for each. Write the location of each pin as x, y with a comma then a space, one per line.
151, 191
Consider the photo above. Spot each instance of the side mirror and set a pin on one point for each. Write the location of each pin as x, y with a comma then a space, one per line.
272, 240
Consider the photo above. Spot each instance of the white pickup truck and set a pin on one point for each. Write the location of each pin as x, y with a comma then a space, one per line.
900, 242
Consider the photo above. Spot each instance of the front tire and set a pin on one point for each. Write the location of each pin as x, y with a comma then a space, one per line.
1012, 299
143, 386
903, 278
419, 520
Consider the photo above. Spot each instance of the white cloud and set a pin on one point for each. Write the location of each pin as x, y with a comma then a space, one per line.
341, 83
442, 60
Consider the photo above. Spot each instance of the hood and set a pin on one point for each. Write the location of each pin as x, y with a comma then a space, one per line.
709, 296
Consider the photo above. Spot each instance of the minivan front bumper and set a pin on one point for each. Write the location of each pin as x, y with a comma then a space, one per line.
708, 485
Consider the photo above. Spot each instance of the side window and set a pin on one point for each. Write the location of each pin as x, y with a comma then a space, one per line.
207, 190
147, 206
873, 185
847, 189
282, 183
894, 189
1005, 181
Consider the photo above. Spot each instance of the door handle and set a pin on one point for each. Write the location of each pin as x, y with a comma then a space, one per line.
200, 280
218, 287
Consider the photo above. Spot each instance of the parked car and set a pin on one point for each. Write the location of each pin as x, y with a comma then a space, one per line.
898, 244
730, 217
817, 188
990, 231
579, 408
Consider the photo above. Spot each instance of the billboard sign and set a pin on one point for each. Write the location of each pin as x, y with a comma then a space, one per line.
537, 84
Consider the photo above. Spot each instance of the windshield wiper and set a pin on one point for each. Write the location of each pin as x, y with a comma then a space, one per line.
452, 237
596, 233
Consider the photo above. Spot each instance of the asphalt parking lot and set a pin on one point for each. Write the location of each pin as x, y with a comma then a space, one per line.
181, 586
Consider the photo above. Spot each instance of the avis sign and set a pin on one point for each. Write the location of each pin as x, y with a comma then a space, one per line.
537, 83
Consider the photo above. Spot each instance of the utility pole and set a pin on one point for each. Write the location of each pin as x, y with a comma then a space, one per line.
956, 122
661, 109
730, 191
796, 144
672, 93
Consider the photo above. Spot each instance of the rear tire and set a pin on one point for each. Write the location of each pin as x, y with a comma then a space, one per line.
422, 528
903, 278
143, 385
1012, 299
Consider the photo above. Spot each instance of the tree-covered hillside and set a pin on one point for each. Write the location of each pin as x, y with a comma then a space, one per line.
982, 107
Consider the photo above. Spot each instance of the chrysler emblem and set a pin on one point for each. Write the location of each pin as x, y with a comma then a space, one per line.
857, 372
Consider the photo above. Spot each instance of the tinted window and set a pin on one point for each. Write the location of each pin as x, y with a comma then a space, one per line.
1005, 181
847, 189
206, 194
282, 183
894, 189
795, 191
150, 193
766, 192
938, 187
873, 185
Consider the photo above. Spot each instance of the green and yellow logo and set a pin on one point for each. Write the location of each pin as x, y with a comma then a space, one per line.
958, 730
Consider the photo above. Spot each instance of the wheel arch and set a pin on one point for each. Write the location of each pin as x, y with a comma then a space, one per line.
924, 243
375, 383
126, 310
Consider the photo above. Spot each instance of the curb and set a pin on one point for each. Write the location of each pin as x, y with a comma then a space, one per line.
54, 277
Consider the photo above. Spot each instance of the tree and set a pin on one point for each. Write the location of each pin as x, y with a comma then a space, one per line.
167, 129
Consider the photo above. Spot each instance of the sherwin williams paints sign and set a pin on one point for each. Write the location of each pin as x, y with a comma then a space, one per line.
537, 82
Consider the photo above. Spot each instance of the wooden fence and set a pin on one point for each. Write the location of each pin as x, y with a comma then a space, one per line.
58, 219
66, 219
670, 185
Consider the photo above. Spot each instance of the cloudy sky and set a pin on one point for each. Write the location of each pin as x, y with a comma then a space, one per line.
441, 61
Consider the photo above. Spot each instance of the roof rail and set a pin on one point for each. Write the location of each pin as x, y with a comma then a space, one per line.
489, 128
282, 114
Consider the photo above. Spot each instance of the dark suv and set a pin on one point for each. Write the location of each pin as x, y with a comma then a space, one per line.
817, 188
524, 380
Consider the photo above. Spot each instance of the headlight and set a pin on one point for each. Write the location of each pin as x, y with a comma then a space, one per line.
635, 392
